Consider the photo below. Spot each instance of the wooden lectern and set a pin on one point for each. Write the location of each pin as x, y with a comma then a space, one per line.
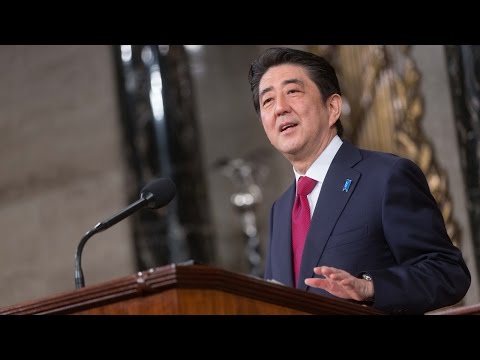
188, 289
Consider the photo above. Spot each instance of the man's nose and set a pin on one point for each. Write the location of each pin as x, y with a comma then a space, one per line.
282, 106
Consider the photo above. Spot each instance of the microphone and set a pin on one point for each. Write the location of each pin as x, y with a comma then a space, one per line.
154, 195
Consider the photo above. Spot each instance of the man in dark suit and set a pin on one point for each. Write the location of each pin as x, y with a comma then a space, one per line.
363, 225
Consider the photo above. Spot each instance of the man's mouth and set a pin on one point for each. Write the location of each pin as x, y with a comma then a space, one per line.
287, 126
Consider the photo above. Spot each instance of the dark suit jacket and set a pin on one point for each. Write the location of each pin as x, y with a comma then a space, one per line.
387, 224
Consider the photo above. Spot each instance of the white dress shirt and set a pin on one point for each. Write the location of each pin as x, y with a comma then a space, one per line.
319, 169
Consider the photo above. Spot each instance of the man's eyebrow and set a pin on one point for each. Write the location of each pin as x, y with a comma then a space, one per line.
284, 82
266, 90
292, 81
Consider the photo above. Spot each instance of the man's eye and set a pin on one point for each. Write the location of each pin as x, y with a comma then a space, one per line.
267, 101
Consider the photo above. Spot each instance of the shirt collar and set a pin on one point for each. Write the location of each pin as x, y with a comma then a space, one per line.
318, 170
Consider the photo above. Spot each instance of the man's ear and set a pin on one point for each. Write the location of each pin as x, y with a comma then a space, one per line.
334, 105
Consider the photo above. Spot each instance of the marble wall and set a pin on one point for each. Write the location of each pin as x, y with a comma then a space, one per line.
61, 169
439, 126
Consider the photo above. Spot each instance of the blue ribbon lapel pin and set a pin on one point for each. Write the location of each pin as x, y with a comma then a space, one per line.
347, 184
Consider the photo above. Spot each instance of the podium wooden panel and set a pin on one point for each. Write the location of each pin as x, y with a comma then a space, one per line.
459, 310
188, 289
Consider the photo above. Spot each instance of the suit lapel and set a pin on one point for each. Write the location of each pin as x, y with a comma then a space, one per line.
330, 204
283, 224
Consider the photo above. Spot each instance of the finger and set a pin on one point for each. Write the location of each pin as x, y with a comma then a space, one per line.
329, 286
337, 274
316, 282
324, 270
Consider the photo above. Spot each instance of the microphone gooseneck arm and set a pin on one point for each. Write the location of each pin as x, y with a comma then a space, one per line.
101, 226
79, 279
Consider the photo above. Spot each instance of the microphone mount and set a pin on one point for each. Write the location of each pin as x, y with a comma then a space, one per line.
163, 193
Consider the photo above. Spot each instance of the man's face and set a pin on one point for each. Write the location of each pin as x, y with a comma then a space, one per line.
296, 120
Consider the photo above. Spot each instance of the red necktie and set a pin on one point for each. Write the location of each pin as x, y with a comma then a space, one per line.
300, 221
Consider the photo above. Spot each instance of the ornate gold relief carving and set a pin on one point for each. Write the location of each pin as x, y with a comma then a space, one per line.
384, 108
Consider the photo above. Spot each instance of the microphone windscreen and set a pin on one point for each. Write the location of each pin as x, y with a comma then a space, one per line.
163, 191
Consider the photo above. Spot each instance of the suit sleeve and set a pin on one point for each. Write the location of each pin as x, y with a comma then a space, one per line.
430, 271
